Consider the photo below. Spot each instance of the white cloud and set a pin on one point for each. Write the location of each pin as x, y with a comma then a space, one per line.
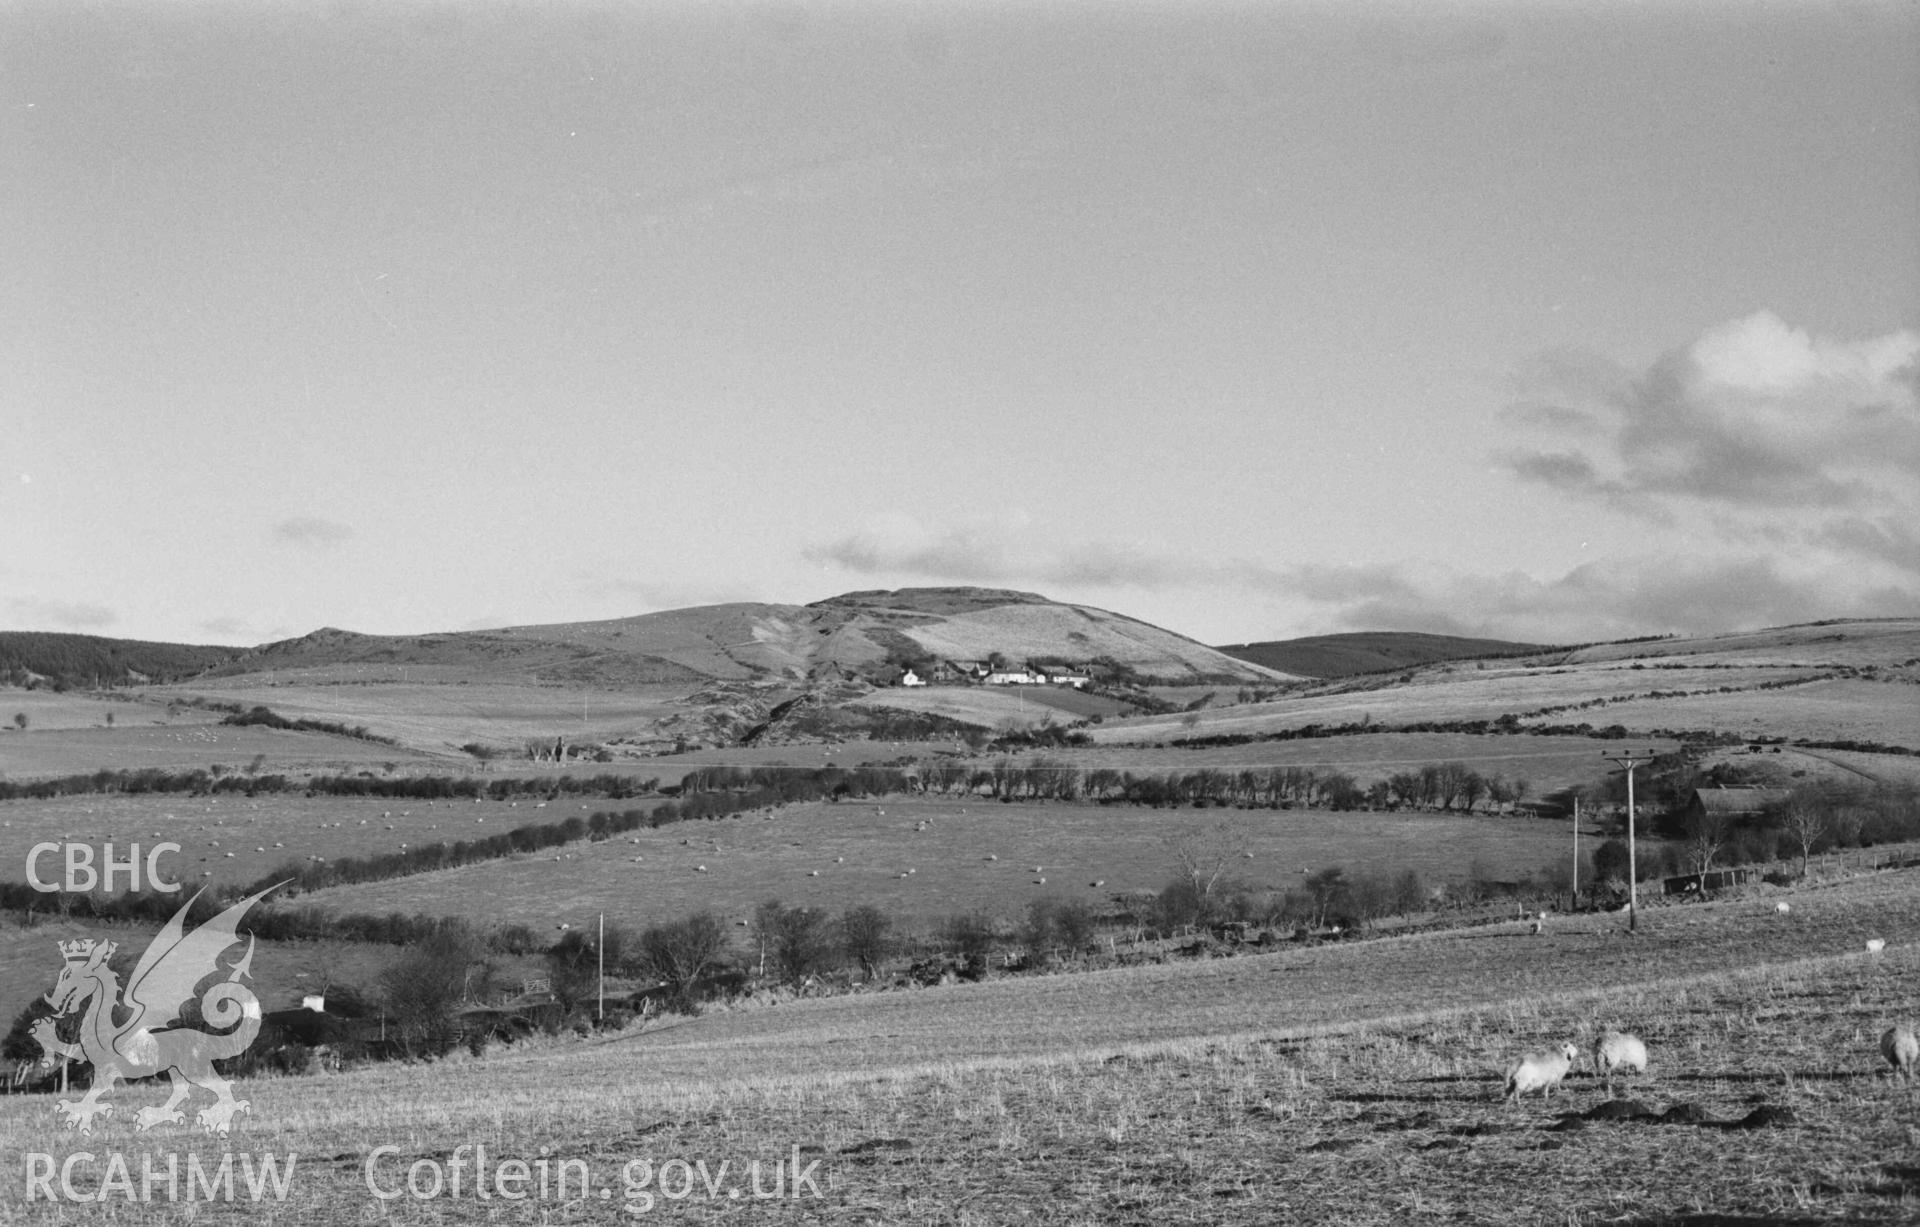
1781, 469
61, 615
1012, 550
1668, 590
1764, 356
312, 532
1755, 430
1753, 414
1614, 598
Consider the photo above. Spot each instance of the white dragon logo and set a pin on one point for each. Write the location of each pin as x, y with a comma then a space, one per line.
150, 1036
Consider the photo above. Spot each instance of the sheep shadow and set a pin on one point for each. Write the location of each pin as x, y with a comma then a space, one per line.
1634, 1112
1724, 1220
1477, 1091
1812, 1075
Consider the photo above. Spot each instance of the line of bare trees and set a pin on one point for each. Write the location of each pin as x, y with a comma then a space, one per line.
1441, 786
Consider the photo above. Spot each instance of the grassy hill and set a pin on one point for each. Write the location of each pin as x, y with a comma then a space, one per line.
1370, 652
856, 634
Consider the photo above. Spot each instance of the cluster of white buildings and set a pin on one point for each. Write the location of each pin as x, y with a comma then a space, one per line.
979, 673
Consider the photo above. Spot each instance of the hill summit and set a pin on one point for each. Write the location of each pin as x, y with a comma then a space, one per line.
868, 635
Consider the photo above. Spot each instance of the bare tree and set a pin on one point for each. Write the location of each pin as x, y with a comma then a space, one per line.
1707, 833
1849, 822
1473, 786
683, 952
422, 988
1808, 826
1203, 857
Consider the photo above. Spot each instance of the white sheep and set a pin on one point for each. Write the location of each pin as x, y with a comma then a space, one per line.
1616, 1050
1902, 1050
1783, 908
1541, 1071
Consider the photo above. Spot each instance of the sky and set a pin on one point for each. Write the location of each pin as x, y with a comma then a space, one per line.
1553, 322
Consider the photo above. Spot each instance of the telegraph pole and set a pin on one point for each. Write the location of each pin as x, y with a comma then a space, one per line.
601, 1013
1628, 760
1576, 852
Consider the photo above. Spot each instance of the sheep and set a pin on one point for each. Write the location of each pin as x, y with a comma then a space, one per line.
1876, 944
1541, 1071
1902, 1050
1783, 908
1618, 1050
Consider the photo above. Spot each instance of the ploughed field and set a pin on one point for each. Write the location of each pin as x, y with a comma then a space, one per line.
1346, 1083
923, 859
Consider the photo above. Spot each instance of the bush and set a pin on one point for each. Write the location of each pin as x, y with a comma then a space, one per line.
1074, 922
797, 942
864, 935
423, 987
1610, 861
971, 935
682, 956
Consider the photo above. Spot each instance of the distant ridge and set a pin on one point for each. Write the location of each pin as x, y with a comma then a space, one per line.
1371, 652
91, 660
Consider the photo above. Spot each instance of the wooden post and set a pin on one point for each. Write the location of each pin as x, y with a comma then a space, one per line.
1576, 853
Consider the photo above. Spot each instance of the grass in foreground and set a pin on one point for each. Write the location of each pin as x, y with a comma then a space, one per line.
1366, 1092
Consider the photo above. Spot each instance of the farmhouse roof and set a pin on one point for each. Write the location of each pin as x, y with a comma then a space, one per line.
1737, 800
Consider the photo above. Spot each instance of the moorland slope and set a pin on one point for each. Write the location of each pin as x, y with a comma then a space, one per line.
1370, 652
855, 634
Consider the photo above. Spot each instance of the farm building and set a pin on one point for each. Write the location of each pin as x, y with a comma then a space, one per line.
1014, 677
1731, 802
909, 678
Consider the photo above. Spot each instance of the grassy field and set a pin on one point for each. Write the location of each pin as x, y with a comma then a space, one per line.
1886, 642
1453, 692
991, 707
234, 840
442, 717
1353, 1083
1350, 1083
48, 709
1837, 710
836, 855
193, 741
1546, 763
